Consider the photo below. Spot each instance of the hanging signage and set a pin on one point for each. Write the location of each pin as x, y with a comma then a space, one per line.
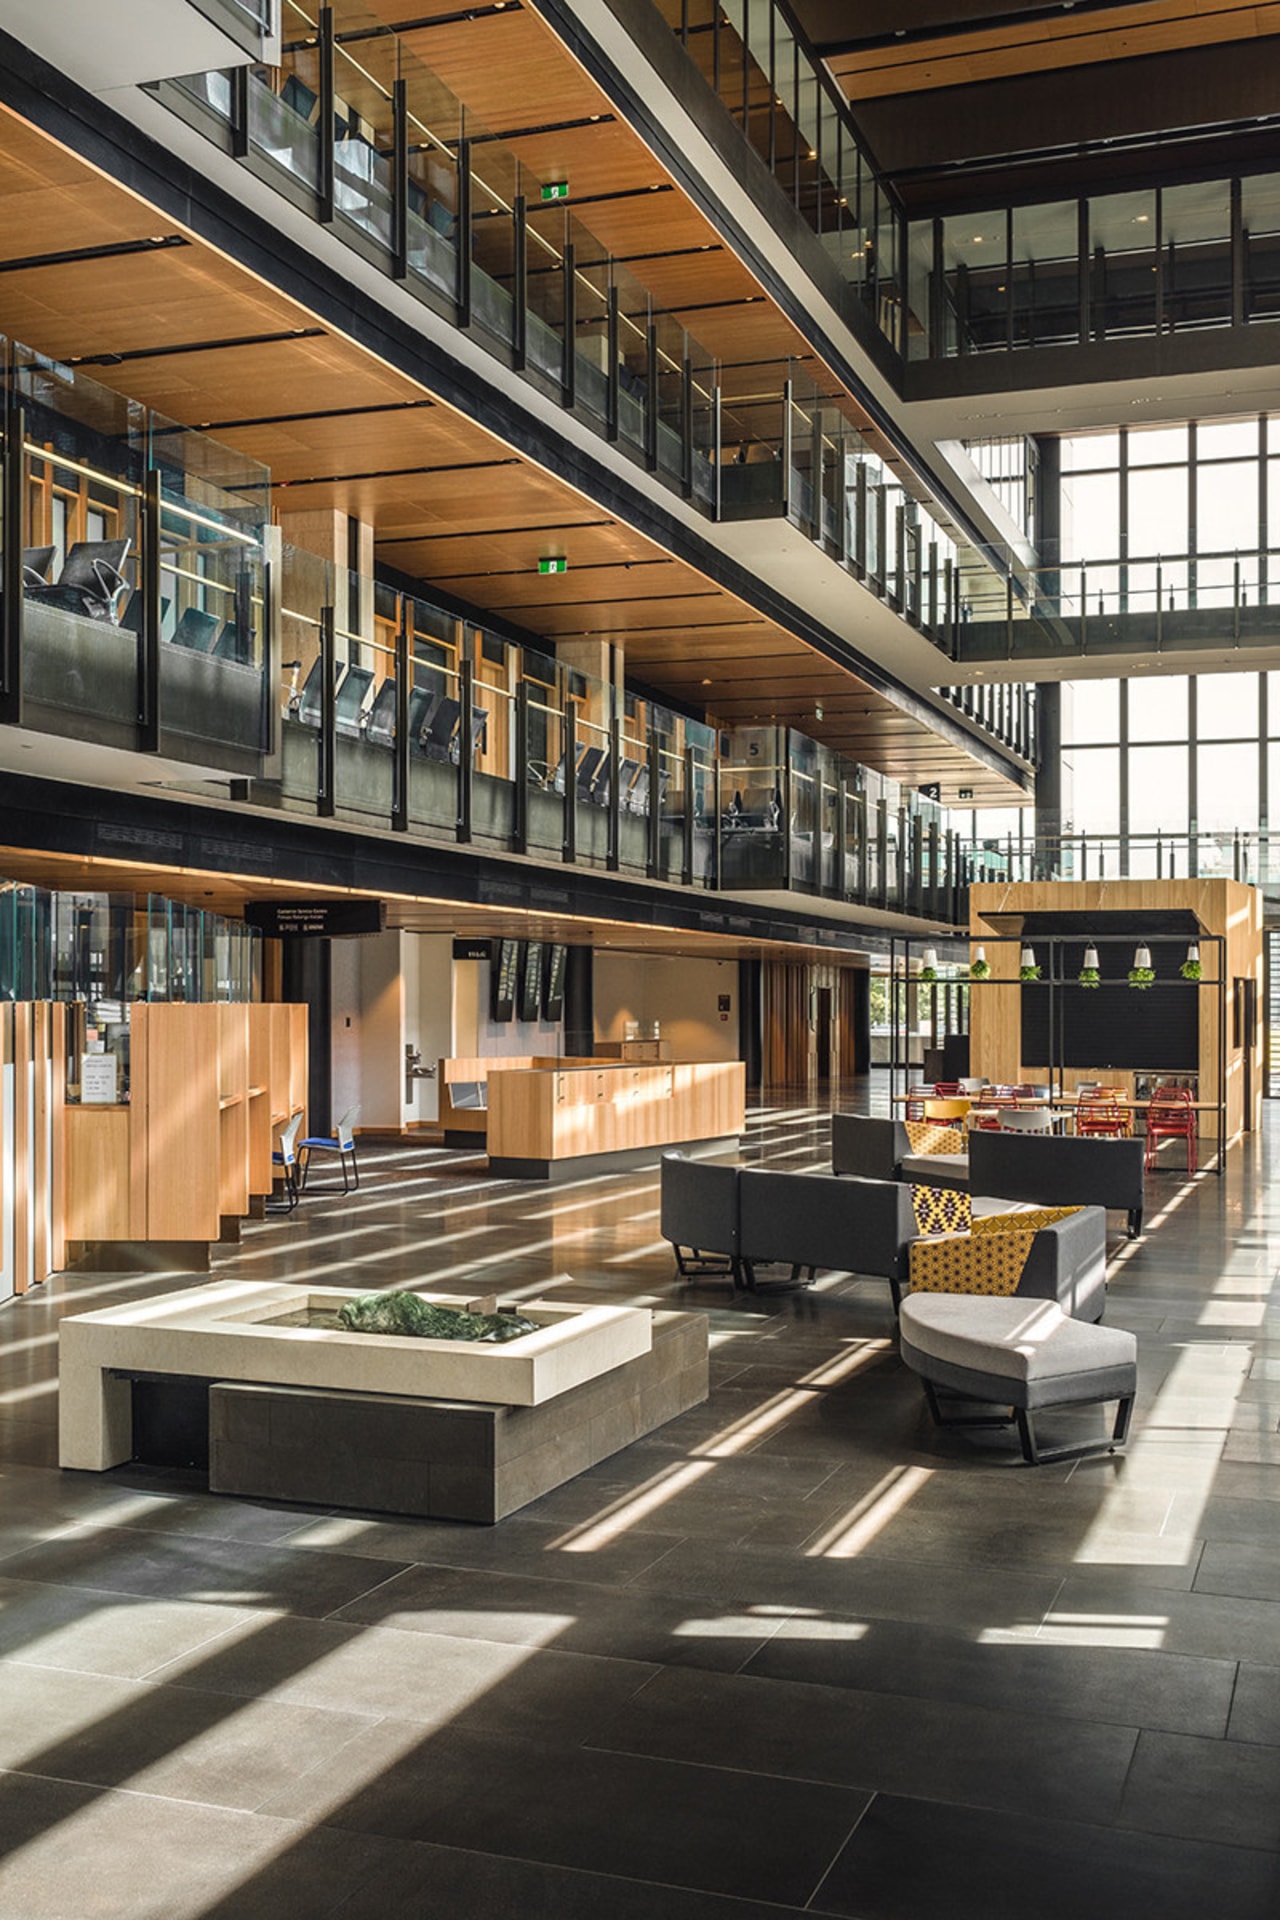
316, 919
555, 190
556, 564
464, 949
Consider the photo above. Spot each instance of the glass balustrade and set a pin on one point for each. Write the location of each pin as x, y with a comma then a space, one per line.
153, 608
1104, 267
138, 551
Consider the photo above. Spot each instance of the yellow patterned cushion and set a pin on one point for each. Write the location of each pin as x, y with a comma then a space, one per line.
970, 1263
926, 1136
941, 1210
1029, 1222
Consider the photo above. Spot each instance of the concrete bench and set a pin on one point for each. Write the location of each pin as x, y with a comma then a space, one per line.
1019, 1353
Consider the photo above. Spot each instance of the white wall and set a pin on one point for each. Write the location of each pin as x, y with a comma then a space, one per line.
477, 1037
681, 994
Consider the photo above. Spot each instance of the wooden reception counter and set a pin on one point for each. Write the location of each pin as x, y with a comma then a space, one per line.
556, 1122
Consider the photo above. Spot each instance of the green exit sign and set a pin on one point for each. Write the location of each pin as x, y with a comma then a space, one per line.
557, 565
556, 190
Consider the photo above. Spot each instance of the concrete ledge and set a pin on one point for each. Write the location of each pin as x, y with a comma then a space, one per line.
440, 1459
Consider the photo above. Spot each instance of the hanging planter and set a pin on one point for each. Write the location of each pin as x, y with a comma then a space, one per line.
1028, 970
1190, 968
928, 966
1142, 974
1089, 974
980, 966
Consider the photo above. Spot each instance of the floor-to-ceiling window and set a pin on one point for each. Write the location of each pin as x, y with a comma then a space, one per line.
1184, 516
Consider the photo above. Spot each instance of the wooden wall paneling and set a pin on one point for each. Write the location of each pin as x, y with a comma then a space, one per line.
8, 1167
58, 1139
98, 1161
22, 1146
233, 1109
181, 1095
260, 1096
139, 1113
788, 1038
41, 1158
298, 1060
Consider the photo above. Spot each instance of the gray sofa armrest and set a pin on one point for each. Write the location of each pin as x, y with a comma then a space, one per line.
699, 1204
1068, 1263
870, 1148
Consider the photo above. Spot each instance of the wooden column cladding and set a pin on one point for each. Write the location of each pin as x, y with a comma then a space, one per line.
788, 1037
34, 1224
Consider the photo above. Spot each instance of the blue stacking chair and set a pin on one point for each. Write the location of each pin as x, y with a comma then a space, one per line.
342, 1142
286, 1158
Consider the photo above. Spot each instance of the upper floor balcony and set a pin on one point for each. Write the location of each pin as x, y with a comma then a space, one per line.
149, 606
359, 134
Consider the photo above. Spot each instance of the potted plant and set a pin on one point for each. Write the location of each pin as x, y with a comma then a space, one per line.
1027, 969
928, 966
1190, 968
1142, 974
1089, 975
980, 966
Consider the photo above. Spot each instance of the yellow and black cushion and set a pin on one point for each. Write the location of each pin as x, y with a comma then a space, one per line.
988, 1259
941, 1210
926, 1136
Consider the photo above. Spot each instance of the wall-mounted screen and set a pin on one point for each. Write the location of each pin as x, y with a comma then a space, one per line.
503, 972
553, 983
531, 980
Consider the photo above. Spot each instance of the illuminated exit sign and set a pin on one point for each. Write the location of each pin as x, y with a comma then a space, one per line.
557, 565
556, 190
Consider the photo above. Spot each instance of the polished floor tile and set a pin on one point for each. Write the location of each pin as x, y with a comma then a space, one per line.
797, 1651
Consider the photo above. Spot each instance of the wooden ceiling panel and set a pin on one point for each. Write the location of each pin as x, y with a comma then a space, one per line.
479, 59
494, 552
160, 299
1044, 45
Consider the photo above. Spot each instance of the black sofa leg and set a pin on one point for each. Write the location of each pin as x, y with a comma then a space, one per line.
1135, 1223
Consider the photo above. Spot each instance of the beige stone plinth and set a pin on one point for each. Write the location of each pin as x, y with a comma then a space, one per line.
217, 1333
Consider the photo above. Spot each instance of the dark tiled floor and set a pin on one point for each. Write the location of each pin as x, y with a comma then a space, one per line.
794, 1653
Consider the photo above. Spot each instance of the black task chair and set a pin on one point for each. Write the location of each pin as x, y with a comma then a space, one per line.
195, 630
349, 700
438, 730
35, 566
91, 582
380, 721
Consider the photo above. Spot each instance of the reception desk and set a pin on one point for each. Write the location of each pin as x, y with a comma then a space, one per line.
556, 1122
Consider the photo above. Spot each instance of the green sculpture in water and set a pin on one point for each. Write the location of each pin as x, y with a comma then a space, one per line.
408, 1313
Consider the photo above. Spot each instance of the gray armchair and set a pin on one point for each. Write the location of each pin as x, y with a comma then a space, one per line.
699, 1216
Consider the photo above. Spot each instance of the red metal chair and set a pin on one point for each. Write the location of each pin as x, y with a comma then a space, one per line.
916, 1097
1171, 1116
1098, 1113
948, 1089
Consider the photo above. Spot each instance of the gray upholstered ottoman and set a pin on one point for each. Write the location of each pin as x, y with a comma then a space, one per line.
1020, 1353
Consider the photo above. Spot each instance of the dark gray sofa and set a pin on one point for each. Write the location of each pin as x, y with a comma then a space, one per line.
881, 1150
727, 1221
811, 1220
1060, 1172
